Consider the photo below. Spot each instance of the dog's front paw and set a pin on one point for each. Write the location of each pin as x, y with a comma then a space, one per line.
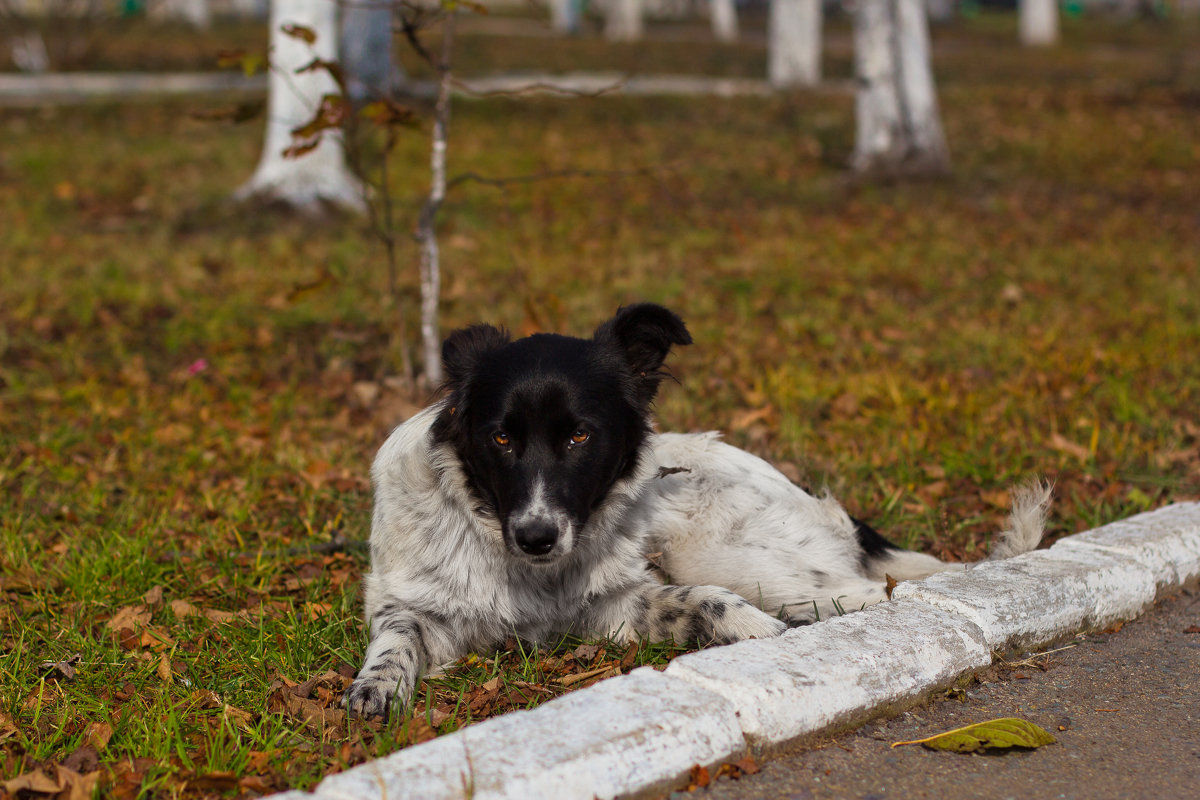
744, 621
372, 697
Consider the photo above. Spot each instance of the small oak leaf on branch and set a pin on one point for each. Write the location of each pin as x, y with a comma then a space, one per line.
388, 113
302, 148
331, 113
301, 32
249, 63
993, 734
332, 67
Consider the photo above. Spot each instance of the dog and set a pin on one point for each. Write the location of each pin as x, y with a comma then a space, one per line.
526, 501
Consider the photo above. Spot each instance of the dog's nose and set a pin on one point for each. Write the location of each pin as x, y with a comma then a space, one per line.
536, 538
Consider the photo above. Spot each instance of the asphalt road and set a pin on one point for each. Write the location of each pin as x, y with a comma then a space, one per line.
1124, 705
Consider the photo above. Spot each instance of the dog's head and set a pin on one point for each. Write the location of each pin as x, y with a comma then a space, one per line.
545, 426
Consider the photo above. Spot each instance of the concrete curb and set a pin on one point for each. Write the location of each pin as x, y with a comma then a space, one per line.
65, 88
645, 730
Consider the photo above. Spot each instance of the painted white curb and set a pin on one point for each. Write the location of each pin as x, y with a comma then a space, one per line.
637, 730
837, 671
644, 730
1039, 597
1166, 542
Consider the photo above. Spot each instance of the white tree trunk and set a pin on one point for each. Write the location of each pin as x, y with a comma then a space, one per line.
565, 15
431, 269
724, 20
794, 43
623, 21
366, 48
898, 122
308, 181
1039, 22
196, 13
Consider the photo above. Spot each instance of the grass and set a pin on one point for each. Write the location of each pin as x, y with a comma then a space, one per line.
185, 427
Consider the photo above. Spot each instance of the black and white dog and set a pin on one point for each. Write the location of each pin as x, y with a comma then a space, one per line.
527, 500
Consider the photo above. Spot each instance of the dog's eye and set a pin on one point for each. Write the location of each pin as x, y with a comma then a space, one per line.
501, 438
579, 437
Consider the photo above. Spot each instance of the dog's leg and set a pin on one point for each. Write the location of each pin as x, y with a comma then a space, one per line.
395, 657
701, 614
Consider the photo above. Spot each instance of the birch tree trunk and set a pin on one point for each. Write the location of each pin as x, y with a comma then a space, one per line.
899, 128
724, 20
623, 21
311, 180
794, 43
431, 270
565, 15
366, 47
1039, 22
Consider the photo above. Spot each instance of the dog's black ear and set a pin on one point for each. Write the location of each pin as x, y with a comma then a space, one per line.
462, 350
644, 334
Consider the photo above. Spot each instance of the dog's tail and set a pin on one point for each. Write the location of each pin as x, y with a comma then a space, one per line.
1027, 522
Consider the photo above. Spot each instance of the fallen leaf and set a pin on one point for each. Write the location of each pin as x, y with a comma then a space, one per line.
78, 787
747, 417
599, 672
258, 784
154, 597
164, 669
313, 715
586, 652
993, 734
61, 670
34, 781
98, 735
214, 782
630, 658
26, 581
241, 719
1065, 445
698, 778
845, 405
420, 731
182, 609
156, 639
8, 728
132, 617
891, 583
314, 611
1192, 629
173, 433
747, 765
1000, 499
83, 760
44, 694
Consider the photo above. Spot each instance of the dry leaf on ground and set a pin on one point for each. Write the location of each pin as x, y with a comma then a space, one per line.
60, 670
129, 617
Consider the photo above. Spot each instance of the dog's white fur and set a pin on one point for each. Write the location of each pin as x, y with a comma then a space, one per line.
443, 584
